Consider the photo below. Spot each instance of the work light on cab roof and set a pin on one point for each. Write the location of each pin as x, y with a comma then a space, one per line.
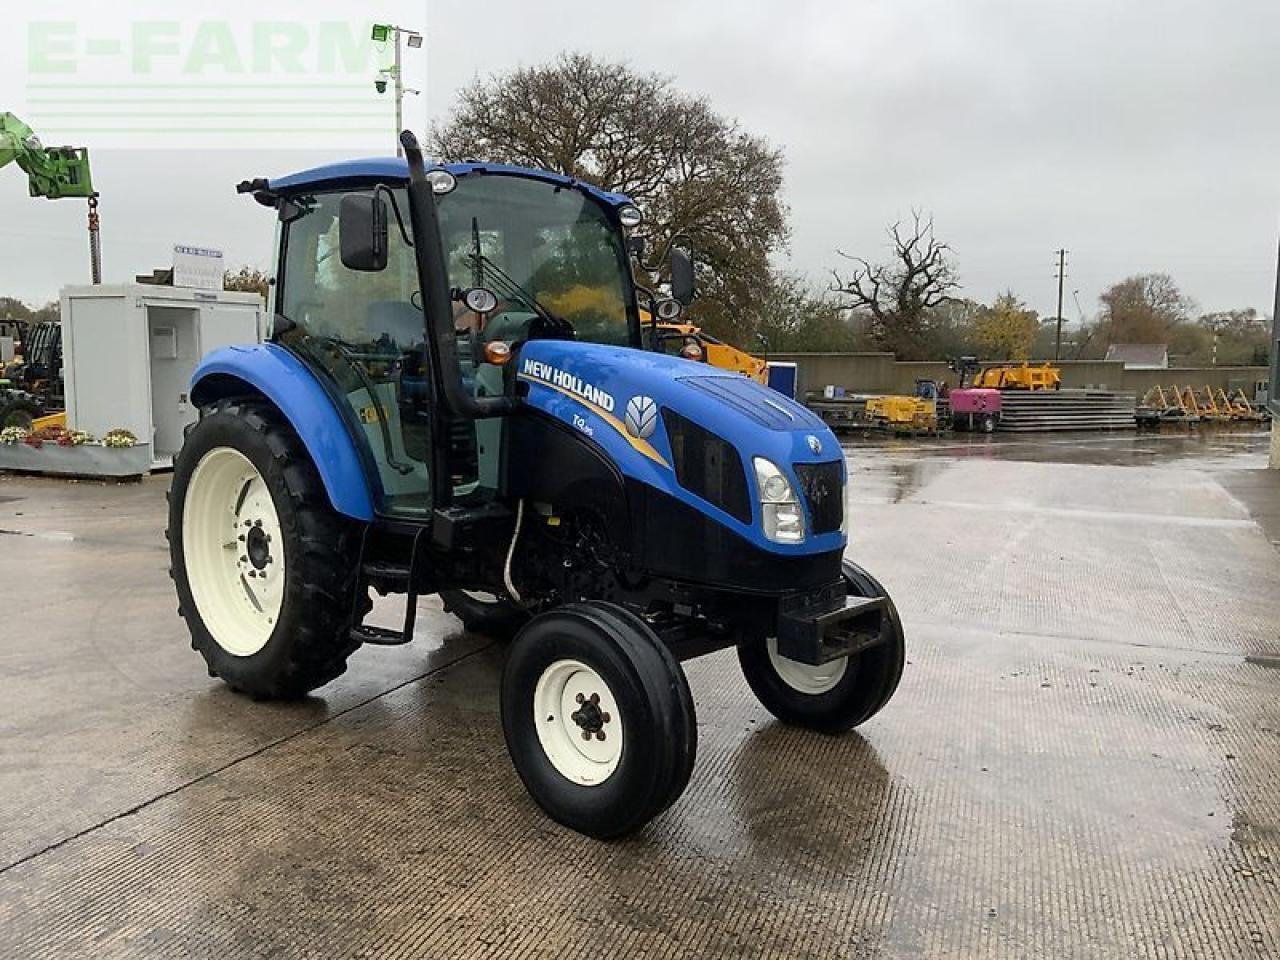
629, 216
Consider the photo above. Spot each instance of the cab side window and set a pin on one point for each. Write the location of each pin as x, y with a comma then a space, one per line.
365, 332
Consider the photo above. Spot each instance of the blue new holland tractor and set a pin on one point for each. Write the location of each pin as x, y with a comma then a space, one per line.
454, 399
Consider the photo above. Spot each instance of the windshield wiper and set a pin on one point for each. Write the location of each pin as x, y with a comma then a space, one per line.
480, 263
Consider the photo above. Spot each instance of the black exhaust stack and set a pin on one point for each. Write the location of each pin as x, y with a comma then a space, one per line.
436, 302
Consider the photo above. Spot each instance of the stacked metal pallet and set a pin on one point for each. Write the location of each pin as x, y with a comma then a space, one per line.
1026, 411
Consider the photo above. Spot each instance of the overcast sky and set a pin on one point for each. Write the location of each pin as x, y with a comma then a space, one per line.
1142, 136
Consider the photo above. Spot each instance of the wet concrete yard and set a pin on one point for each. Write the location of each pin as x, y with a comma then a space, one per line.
1083, 758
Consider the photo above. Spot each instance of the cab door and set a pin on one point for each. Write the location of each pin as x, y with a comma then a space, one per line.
365, 334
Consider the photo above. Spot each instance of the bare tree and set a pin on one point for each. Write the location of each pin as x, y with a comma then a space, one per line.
899, 295
692, 171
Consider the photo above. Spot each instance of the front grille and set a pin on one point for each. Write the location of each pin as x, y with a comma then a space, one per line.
823, 494
708, 466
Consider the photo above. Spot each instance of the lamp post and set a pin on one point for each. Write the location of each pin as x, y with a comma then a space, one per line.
381, 33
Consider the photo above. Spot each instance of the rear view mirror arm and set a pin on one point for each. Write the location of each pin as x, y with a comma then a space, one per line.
395, 208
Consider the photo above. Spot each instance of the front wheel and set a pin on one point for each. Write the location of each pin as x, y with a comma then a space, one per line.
598, 718
838, 695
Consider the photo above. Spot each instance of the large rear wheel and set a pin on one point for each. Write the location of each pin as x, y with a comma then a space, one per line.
838, 695
264, 568
598, 718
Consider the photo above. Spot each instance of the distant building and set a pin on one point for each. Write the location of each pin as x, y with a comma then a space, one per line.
1140, 356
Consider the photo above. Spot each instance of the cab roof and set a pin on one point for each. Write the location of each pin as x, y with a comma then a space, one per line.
390, 169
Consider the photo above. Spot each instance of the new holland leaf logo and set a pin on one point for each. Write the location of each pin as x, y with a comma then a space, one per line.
641, 417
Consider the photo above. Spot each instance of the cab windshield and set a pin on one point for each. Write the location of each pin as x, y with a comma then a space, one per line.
550, 254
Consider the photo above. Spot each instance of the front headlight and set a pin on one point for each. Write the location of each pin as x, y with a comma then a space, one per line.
780, 513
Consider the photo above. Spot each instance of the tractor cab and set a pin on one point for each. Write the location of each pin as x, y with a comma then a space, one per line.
524, 258
455, 400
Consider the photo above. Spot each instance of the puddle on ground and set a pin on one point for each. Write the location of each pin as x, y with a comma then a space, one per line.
1228, 448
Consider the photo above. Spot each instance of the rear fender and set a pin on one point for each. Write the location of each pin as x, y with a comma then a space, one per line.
275, 373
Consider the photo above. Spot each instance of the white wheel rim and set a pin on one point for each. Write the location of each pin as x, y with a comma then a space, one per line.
233, 551
804, 678
578, 722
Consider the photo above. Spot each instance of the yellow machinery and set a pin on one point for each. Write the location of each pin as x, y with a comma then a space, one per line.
1240, 406
1018, 376
690, 342
903, 414
1188, 405
1209, 408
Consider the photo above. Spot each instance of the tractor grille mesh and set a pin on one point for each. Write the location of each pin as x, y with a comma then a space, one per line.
708, 466
823, 494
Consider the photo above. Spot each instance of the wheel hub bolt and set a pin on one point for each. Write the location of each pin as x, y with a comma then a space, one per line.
589, 717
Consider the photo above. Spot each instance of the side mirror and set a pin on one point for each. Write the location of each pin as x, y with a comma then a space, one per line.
362, 232
681, 277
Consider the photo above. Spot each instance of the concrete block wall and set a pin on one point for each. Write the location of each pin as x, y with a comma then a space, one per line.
881, 373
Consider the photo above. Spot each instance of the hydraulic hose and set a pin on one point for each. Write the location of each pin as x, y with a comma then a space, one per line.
511, 552
434, 281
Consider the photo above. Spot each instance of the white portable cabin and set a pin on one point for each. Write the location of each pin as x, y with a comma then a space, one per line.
129, 351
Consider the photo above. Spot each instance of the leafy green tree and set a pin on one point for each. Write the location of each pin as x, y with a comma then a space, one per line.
1007, 329
790, 317
247, 279
1190, 344
949, 328
1243, 337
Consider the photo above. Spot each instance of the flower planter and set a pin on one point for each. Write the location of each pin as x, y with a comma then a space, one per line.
86, 460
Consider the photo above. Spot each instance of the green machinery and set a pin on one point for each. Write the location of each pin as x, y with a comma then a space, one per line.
53, 173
